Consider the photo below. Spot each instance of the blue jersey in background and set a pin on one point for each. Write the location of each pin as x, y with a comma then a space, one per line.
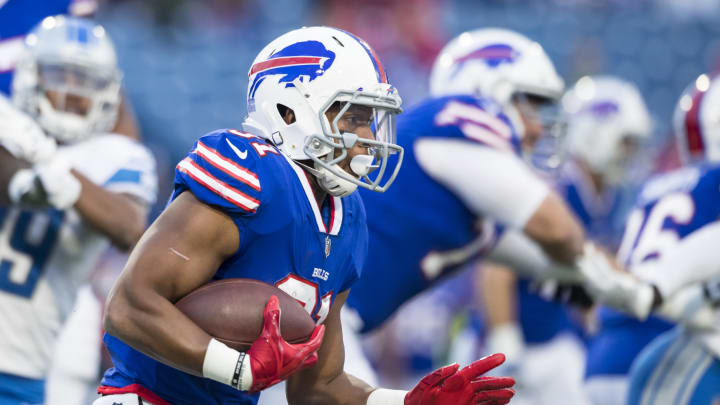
420, 231
669, 207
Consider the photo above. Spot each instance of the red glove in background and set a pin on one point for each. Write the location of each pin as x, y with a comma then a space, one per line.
272, 359
450, 386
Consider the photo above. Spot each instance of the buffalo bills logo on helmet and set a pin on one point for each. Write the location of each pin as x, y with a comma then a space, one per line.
308, 58
493, 55
602, 109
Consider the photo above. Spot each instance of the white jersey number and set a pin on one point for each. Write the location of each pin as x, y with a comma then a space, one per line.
26, 242
307, 294
652, 239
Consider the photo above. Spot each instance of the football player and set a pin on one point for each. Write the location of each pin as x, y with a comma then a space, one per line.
464, 176
276, 203
18, 17
62, 205
607, 122
670, 242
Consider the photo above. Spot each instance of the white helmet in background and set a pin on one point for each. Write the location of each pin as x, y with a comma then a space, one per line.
75, 60
605, 117
495, 63
697, 120
308, 70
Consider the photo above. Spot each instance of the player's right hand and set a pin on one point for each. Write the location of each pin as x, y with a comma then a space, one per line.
272, 359
613, 287
450, 386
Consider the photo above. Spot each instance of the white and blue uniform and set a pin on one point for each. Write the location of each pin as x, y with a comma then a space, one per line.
669, 208
682, 366
312, 253
46, 255
18, 17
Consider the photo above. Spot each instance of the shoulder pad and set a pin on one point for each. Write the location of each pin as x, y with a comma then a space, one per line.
224, 169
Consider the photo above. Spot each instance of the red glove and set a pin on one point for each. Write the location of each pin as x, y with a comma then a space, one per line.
272, 359
448, 386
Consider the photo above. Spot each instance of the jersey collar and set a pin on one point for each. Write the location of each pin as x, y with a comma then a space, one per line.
336, 207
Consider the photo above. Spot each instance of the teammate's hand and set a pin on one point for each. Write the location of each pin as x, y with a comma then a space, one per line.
272, 359
21, 135
613, 287
448, 386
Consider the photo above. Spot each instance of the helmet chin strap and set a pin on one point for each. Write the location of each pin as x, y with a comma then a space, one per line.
334, 184
337, 185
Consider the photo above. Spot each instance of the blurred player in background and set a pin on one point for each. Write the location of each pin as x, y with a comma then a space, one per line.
669, 208
94, 187
276, 204
18, 17
463, 174
607, 123
675, 227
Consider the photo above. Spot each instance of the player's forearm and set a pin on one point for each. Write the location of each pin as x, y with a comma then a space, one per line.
9, 166
114, 215
153, 325
498, 294
344, 389
556, 231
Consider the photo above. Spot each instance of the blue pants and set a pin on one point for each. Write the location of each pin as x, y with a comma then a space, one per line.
16, 390
675, 369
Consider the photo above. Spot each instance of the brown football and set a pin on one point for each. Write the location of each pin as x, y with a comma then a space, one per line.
231, 310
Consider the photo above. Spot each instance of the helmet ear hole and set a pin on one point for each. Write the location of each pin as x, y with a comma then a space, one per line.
286, 113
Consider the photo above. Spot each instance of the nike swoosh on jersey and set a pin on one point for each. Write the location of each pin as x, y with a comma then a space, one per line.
241, 155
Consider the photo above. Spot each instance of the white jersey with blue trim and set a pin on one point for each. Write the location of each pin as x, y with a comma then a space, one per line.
46, 255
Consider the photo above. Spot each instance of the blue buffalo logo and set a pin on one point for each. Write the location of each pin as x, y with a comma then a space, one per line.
602, 109
493, 55
308, 58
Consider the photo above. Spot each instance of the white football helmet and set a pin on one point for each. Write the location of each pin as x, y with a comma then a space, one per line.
71, 57
697, 120
495, 63
603, 114
307, 71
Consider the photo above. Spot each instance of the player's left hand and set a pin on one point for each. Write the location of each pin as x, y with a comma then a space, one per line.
467, 386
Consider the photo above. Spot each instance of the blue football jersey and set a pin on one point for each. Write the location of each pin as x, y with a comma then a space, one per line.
18, 17
669, 207
312, 253
421, 230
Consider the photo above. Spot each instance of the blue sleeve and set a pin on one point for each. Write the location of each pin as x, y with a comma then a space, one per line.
477, 120
222, 170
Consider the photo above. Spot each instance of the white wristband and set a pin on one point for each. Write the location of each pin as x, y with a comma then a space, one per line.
383, 396
227, 366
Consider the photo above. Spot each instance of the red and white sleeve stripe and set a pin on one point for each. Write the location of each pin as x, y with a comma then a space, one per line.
222, 189
227, 166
